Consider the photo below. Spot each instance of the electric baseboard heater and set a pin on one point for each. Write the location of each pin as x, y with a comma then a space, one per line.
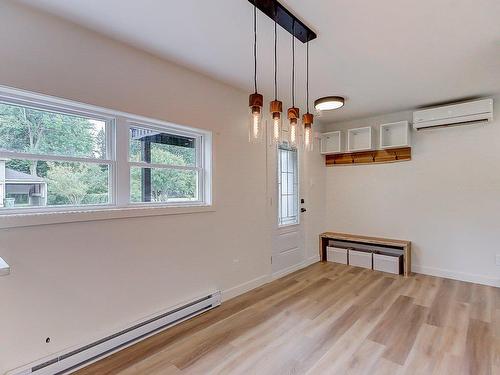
75, 359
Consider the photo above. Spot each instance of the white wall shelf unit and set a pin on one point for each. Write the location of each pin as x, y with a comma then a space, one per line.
359, 139
395, 135
331, 142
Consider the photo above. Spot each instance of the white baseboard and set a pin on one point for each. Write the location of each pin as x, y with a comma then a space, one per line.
295, 267
245, 287
264, 279
462, 276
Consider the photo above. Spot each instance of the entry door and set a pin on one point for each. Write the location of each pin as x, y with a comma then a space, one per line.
288, 235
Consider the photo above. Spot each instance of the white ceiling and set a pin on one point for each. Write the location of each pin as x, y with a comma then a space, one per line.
383, 56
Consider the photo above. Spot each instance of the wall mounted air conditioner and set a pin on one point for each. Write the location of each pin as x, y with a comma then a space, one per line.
454, 114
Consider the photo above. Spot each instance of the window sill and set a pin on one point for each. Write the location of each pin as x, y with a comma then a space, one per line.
61, 217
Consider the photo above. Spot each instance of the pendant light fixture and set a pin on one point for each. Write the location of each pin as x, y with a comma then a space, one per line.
256, 100
308, 118
276, 106
293, 112
292, 24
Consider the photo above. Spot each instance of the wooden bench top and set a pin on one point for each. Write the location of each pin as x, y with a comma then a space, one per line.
367, 239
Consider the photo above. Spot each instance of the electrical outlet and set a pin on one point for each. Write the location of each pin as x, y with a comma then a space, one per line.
498, 259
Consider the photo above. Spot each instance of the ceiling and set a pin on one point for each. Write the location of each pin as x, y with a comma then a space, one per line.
383, 56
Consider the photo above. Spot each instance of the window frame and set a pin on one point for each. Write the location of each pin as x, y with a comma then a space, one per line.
296, 184
117, 144
198, 167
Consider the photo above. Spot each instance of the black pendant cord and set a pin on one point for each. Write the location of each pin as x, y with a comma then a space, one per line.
307, 78
255, 44
275, 60
293, 67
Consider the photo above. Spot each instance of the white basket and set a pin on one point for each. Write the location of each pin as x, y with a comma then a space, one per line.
337, 255
387, 263
360, 259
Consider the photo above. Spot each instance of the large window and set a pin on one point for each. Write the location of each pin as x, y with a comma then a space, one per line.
57, 154
288, 186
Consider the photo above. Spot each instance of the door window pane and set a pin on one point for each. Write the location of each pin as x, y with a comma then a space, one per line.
287, 186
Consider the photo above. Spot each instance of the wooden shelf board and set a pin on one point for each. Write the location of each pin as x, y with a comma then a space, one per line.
369, 157
367, 239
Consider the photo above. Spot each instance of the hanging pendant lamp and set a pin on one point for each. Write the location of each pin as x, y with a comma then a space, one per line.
256, 100
308, 118
293, 112
276, 106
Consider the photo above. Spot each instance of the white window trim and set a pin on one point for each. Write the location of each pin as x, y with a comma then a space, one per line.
198, 167
119, 206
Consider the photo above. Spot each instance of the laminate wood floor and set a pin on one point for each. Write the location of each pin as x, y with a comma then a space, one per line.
331, 319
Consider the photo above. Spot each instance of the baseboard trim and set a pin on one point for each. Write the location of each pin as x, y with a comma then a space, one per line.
296, 267
264, 279
245, 287
450, 274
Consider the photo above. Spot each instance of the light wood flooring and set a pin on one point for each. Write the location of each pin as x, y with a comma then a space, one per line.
331, 319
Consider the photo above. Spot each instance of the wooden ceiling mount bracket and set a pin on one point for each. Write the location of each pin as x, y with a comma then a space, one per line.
283, 17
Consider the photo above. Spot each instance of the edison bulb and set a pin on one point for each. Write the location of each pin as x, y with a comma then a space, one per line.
308, 138
255, 130
293, 133
277, 129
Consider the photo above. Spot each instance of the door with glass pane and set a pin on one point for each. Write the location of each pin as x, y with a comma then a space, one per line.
288, 247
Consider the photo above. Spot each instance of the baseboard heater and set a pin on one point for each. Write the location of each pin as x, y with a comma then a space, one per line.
74, 359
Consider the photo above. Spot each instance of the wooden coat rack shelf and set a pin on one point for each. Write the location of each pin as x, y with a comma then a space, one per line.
370, 157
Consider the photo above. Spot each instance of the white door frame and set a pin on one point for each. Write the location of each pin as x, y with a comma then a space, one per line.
287, 242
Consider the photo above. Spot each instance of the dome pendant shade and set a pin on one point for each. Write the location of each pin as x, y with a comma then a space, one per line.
329, 103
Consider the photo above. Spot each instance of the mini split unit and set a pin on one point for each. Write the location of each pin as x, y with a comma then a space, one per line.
454, 114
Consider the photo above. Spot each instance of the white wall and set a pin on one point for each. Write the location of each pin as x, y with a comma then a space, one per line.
74, 282
446, 200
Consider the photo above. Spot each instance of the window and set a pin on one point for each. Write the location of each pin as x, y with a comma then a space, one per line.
58, 155
52, 158
288, 186
164, 167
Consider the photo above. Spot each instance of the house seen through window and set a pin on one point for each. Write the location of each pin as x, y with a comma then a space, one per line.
51, 159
